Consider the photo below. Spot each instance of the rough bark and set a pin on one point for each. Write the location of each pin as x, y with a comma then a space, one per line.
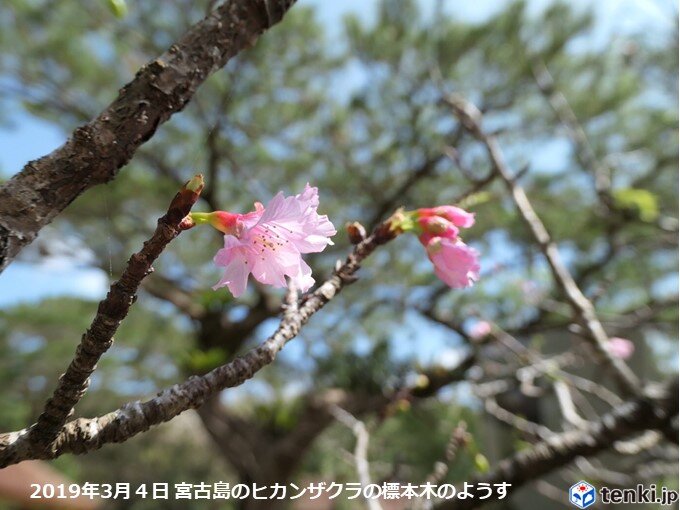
96, 151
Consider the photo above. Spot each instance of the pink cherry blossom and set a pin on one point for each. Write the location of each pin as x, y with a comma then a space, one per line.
621, 347
455, 263
269, 242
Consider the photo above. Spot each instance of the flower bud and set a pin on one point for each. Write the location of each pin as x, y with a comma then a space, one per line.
459, 217
621, 347
226, 222
438, 226
356, 232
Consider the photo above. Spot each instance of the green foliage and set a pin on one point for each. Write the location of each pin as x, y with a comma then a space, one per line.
354, 117
118, 7
361, 372
641, 202
38, 340
201, 361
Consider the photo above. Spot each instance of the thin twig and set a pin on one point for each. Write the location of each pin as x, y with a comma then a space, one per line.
565, 114
591, 387
654, 410
551, 492
111, 311
360, 450
566, 404
644, 442
516, 421
458, 439
471, 118
608, 476
83, 435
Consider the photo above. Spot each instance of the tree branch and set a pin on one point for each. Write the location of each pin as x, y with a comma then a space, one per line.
236, 438
83, 435
96, 151
111, 311
655, 409
168, 290
360, 431
460, 438
582, 307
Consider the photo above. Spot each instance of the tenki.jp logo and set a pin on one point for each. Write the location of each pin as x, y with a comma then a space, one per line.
582, 494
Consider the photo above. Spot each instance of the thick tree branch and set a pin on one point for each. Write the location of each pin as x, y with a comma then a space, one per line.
582, 307
96, 151
111, 311
654, 410
83, 435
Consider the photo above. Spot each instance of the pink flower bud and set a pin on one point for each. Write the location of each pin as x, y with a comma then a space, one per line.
621, 347
226, 222
459, 217
438, 226
480, 330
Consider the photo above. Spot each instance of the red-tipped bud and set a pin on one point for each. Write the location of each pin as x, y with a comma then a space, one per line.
226, 222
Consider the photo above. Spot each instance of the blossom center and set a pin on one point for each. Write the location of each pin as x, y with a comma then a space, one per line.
264, 238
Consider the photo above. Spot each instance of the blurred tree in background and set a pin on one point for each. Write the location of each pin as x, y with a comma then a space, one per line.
592, 129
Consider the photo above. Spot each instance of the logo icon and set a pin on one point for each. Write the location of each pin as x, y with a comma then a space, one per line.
582, 494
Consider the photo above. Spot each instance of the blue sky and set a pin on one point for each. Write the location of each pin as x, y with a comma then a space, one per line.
25, 137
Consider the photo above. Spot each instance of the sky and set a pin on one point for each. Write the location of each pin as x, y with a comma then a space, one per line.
24, 137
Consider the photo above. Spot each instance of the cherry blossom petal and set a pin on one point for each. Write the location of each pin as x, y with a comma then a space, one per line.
296, 219
455, 263
235, 274
459, 217
303, 280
